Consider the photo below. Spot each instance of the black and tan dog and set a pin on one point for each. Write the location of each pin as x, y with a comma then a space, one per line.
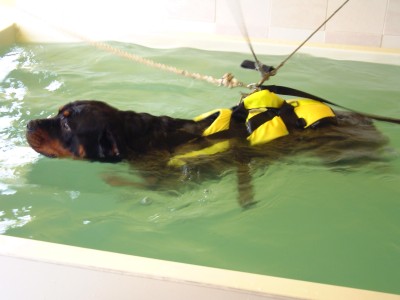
263, 126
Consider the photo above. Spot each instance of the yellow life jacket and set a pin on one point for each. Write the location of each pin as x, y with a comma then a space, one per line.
268, 117
220, 124
181, 159
273, 124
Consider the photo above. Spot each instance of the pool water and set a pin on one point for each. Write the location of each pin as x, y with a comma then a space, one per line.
311, 222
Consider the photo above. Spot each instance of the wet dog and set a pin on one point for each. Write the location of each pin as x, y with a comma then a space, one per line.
96, 131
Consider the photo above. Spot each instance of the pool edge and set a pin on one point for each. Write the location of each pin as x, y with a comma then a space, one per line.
46, 268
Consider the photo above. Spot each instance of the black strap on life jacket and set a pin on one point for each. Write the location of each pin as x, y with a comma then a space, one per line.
259, 119
284, 90
286, 112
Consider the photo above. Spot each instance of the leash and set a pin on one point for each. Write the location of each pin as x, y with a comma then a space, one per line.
284, 90
228, 79
273, 72
268, 71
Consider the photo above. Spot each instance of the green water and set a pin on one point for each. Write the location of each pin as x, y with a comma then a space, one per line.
311, 222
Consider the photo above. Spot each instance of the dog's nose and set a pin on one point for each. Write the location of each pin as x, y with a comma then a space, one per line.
31, 125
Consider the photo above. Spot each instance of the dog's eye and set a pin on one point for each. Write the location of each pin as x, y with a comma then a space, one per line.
65, 126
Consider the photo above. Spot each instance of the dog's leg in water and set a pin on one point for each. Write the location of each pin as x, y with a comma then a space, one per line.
244, 184
117, 181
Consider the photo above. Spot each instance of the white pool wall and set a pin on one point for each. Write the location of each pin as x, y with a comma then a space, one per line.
38, 270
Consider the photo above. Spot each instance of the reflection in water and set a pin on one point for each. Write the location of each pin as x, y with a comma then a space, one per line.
15, 218
14, 154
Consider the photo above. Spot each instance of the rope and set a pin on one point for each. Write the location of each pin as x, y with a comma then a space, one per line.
307, 39
227, 80
259, 66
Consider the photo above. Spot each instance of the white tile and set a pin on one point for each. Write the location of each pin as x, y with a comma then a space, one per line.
358, 16
391, 41
353, 38
296, 35
193, 10
255, 13
392, 22
298, 14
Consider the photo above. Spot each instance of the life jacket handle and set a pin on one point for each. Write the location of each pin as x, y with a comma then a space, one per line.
284, 90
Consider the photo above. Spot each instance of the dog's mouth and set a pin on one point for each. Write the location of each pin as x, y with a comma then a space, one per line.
40, 141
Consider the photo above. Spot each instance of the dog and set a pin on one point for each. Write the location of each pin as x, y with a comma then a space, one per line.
262, 128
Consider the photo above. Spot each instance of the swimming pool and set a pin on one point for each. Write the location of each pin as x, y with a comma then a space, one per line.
335, 226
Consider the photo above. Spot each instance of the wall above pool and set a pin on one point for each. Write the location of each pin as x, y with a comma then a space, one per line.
375, 24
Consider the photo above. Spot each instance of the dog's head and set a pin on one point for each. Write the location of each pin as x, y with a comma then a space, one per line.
81, 130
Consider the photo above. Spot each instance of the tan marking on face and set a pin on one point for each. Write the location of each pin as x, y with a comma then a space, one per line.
41, 142
66, 113
81, 151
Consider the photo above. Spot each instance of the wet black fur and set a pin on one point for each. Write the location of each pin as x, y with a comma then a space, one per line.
96, 131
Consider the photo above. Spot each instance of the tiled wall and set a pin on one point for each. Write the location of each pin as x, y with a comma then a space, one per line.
373, 23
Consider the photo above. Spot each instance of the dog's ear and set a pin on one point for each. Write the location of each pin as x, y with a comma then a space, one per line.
107, 146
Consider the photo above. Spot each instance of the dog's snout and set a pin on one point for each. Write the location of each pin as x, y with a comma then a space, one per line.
32, 125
